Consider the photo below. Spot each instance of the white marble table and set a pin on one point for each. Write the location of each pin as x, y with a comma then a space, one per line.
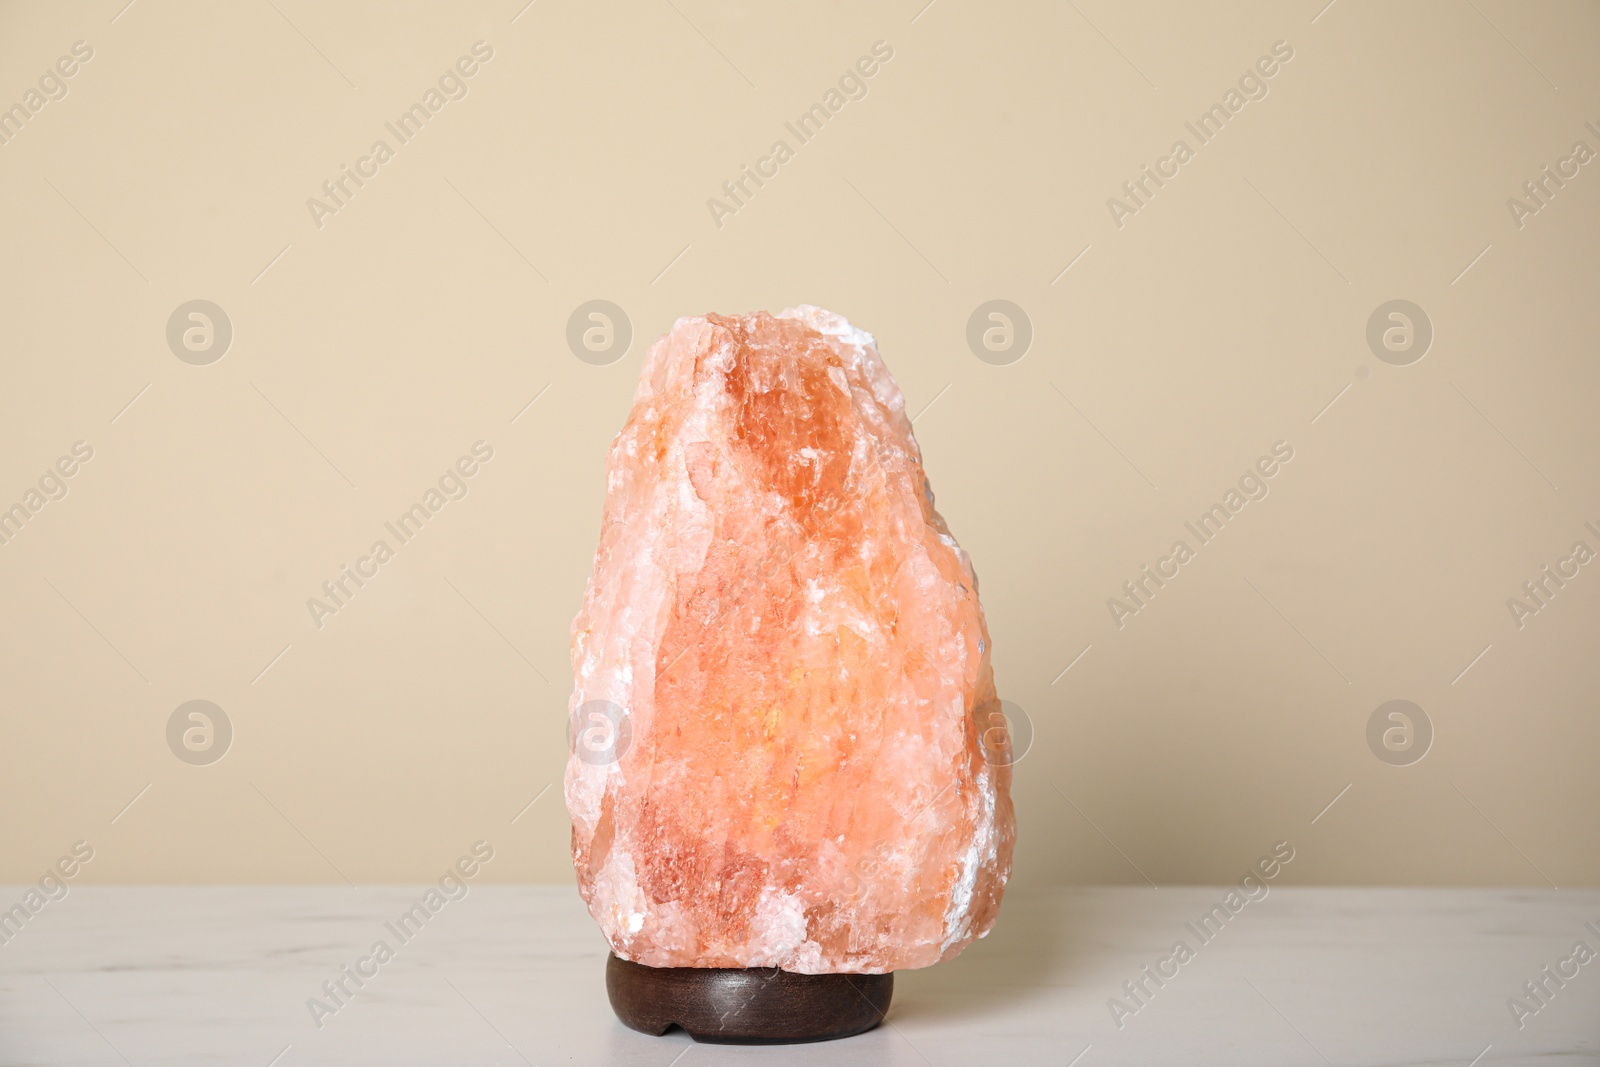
513, 975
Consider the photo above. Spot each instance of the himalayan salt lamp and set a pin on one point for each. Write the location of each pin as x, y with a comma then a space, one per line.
786, 749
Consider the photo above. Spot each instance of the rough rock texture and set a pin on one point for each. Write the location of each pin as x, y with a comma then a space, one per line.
789, 770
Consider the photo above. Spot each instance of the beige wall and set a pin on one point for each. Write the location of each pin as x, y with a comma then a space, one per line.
1226, 314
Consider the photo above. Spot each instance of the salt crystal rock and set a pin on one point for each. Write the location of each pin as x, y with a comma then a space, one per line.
787, 749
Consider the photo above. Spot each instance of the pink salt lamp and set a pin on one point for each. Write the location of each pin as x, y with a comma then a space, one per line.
785, 781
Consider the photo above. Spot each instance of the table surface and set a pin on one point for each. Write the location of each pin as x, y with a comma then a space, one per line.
514, 975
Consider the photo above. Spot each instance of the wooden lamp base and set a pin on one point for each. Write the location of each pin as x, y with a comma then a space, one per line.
744, 1006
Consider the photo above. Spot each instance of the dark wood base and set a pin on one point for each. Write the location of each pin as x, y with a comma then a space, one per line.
744, 1006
